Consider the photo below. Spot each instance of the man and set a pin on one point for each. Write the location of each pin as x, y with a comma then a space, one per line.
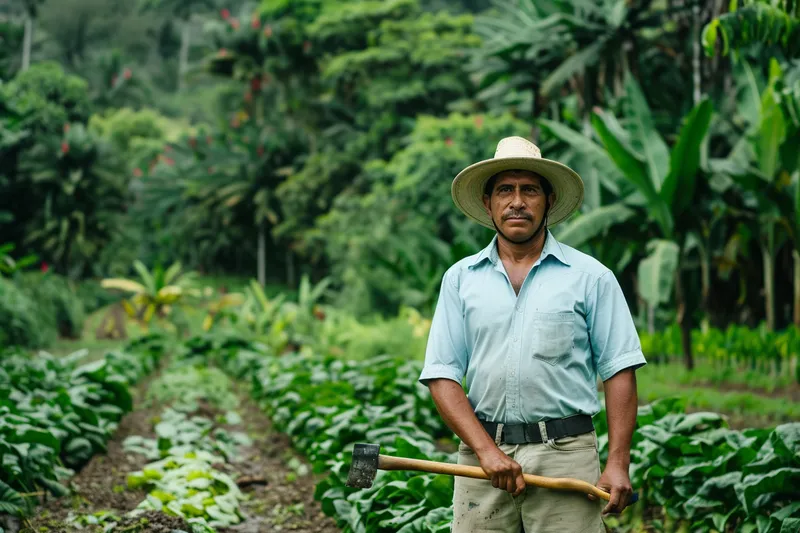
531, 323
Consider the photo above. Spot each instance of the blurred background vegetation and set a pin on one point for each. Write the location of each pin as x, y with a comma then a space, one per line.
316, 140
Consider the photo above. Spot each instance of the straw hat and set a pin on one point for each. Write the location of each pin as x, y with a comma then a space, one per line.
516, 153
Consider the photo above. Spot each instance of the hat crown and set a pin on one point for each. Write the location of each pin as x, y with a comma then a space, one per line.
516, 147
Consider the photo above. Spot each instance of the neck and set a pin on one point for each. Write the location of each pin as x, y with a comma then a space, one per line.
526, 252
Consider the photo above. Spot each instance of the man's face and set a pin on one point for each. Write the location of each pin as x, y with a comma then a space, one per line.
517, 204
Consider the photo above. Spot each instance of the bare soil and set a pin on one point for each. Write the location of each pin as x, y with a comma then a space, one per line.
286, 501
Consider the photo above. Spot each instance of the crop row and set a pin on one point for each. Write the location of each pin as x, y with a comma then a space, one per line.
740, 347
182, 478
690, 467
56, 414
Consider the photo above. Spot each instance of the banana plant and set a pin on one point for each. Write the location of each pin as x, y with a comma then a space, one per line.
157, 293
661, 186
765, 164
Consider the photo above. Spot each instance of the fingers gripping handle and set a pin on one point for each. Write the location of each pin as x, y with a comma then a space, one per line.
387, 462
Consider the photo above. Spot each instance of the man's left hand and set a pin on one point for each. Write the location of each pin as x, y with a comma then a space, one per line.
616, 481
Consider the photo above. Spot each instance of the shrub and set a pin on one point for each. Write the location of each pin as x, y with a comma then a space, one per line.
56, 302
21, 322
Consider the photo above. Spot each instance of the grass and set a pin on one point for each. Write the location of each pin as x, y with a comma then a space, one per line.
744, 408
707, 374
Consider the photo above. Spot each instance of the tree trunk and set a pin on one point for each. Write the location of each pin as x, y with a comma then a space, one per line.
769, 284
290, 268
262, 255
684, 320
183, 64
26, 43
696, 78
796, 256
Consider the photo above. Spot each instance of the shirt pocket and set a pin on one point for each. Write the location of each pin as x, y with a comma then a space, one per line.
552, 336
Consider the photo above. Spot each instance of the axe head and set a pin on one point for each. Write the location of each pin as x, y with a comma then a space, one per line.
364, 466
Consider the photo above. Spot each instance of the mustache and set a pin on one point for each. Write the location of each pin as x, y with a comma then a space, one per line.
517, 214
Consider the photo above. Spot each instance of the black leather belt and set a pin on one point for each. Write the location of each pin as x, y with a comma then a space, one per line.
531, 433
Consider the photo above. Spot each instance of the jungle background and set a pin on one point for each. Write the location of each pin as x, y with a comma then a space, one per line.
283, 168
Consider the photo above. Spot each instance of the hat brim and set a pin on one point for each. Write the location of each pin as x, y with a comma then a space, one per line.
467, 187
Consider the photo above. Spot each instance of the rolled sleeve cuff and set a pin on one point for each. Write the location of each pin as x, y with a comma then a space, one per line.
437, 371
633, 359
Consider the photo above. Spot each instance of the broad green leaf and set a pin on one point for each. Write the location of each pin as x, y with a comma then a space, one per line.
678, 187
786, 442
754, 485
585, 227
10, 500
633, 169
656, 272
644, 136
758, 22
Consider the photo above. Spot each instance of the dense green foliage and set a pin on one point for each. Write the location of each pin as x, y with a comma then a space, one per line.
36, 308
692, 466
321, 137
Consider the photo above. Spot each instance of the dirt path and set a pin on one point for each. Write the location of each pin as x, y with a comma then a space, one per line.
286, 500
279, 482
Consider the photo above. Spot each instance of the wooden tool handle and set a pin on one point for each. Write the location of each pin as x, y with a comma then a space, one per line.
387, 462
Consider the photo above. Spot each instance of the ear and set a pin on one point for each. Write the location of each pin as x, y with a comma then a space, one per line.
552, 199
487, 204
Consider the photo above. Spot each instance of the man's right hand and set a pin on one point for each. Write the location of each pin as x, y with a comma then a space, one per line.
505, 472
453, 405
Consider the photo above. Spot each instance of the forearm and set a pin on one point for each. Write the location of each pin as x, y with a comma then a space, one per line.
457, 413
621, 406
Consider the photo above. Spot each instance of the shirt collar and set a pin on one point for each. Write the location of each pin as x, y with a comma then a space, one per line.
551, 248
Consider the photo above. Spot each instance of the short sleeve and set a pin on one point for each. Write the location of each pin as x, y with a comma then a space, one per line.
612, 332
446, 351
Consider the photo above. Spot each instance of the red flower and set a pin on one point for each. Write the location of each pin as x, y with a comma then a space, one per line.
225, 14
448, 141
169, 161
45, 267
222, 52
479, 121
255, 23
64, 147
255, 84
268, 31
234, 24
235, 123
137, 172
127, 74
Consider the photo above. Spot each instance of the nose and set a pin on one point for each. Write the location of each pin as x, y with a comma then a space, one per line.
516, 200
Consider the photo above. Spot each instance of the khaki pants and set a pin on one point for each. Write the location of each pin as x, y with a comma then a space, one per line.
479, 507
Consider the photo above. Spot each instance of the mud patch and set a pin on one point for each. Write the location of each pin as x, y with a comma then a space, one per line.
153, 522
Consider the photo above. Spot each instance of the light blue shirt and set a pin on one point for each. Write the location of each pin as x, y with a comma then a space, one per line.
535, 356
